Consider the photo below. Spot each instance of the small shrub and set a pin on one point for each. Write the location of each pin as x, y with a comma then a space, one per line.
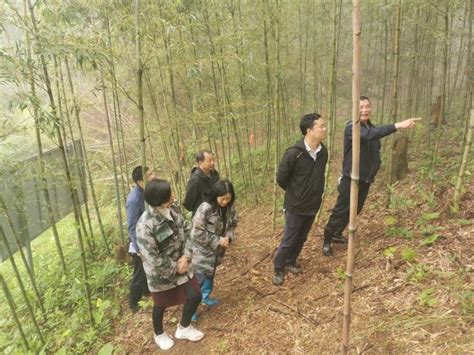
416, 273
408, 254
426, 299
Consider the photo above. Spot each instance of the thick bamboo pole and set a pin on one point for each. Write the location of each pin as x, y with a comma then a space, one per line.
356, 76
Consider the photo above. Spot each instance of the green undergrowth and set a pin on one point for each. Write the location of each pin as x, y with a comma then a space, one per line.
67, 327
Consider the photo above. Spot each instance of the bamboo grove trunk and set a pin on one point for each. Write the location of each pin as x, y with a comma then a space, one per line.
238, 51
356, 77
66, 166
114, 164
465, 159
394, 99
141, 113
11, 305
86, 158
29, 270
21, 286
76, 160
442, 109
41, 165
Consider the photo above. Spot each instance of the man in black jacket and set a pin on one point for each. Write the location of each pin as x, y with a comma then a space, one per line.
301, 175
202, 178
368, 168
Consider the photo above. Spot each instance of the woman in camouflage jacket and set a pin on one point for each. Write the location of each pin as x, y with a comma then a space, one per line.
213, 229
165, 249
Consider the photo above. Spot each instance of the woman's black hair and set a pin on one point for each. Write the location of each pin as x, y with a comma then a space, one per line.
220, 188
157, 192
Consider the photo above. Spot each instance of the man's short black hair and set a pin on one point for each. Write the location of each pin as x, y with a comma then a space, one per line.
307, 121
137, 173
200, 155
157, 192
364, 98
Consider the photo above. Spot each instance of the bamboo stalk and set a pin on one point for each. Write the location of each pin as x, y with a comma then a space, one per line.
141, 113
465, 159
41, 167
114, 164
23, 258
11, 305
86, 158
21, 285
356, 78
160, 127
123, 165
394, 96
443, 88
77, 161
64, 157
68, 159
243, 95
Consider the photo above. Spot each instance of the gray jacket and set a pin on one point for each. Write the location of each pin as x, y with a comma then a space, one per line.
208, 227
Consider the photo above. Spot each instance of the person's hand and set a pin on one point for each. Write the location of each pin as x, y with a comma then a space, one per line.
408, 123
224, 242
182, 265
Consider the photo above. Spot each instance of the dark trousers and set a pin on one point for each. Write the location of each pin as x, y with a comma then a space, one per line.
297, 227
138, 286
192, 302
340, 213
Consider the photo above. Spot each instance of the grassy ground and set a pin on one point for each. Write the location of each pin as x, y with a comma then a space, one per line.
412, 284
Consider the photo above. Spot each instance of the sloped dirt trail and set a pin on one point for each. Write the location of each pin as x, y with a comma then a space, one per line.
305, 314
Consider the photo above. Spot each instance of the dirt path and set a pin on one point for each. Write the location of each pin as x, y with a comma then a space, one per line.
305, 315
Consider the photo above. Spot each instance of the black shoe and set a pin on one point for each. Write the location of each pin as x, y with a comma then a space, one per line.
339, 239
294, 269
327, 251
278, 278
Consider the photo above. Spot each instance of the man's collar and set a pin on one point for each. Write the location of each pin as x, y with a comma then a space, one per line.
308, 148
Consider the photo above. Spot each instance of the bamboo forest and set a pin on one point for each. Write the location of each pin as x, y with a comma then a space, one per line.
155, 151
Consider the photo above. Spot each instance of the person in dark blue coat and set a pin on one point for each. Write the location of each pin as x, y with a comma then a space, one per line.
370, 161
135, 207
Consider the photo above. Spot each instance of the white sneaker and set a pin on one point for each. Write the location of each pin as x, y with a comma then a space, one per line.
164, 341
188, 333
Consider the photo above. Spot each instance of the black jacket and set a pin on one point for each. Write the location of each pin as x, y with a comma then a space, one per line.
369, 149
198, 184
302, 178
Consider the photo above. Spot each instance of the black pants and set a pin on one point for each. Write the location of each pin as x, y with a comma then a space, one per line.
297, 227
340, 213
138, 286
190, 307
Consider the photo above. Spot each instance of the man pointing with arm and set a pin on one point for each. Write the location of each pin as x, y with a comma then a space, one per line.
370, 161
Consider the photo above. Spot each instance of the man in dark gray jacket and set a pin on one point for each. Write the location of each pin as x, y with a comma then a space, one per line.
301, 175
370, 161
202, 178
